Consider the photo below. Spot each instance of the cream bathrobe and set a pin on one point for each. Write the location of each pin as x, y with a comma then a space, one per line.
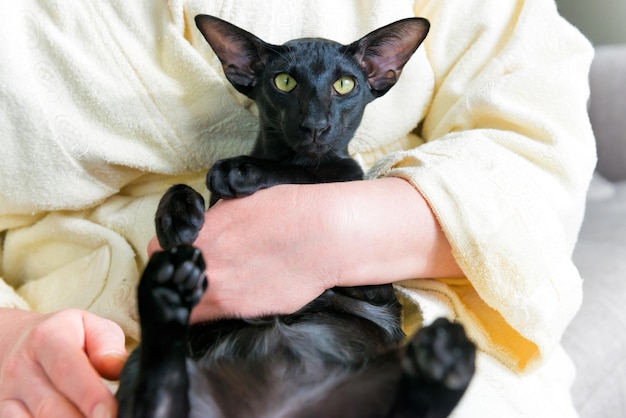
104, 104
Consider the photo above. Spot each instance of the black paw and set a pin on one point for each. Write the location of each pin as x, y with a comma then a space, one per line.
172, 284
179, 217
442, 353
236, 177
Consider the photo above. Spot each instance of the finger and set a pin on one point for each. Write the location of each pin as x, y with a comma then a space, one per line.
153, 246
37, 395
67, 365
105, 345
110, 365
11, 408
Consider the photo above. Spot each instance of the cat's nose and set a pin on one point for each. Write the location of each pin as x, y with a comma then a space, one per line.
314, 127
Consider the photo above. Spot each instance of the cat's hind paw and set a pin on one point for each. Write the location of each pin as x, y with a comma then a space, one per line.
441, 352
172, 284
179, 216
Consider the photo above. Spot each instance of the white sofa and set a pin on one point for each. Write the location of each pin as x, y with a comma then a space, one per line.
596, 339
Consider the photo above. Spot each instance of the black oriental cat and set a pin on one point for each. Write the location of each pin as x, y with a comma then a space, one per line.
343, 354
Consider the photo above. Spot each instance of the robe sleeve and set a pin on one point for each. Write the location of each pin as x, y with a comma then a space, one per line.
507, 159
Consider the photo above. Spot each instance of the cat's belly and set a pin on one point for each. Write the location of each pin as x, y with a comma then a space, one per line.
290, 366
282, 386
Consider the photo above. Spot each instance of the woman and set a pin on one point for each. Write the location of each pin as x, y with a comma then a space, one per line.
478, 164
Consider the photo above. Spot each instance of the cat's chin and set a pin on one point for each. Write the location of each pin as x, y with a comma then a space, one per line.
313, 151
313, 148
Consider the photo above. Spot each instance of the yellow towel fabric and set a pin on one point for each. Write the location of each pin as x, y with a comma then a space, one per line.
105, 104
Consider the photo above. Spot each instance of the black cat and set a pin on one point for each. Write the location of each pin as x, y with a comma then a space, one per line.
340, 355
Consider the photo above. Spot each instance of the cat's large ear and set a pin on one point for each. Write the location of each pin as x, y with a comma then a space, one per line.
383, 52
242, 54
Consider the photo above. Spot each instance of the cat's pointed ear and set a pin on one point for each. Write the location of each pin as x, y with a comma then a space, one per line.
383, 52
242, 54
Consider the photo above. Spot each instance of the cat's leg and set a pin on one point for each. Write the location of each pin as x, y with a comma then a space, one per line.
341, 169
244, 175
179, 216
171, 285
437, 367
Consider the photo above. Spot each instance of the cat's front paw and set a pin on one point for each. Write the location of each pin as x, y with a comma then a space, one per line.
236, 177
442, 352
172, 284
179, 216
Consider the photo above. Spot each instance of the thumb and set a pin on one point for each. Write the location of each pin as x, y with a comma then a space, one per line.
104, 345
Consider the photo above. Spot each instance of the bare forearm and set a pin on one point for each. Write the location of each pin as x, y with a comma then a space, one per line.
387, 232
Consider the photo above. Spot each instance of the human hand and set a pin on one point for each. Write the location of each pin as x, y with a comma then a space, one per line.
266, 253
263, 254
50, 364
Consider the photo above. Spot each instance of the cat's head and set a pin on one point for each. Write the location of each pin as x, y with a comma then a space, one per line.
311, 93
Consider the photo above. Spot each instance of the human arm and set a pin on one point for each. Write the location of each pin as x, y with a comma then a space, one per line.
50, 364
508, 157
278, 249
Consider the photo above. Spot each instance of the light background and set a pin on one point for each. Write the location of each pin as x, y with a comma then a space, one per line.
602, 21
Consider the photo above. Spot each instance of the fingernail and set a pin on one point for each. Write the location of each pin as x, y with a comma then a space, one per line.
122, 356
101, 411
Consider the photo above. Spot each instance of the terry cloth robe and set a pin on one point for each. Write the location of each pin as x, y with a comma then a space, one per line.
104, 104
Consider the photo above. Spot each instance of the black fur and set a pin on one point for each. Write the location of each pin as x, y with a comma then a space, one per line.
340, 355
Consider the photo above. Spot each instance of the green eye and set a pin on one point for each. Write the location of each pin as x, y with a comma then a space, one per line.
285, 82
344, 85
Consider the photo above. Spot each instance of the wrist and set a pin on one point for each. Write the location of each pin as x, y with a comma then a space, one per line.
386, 232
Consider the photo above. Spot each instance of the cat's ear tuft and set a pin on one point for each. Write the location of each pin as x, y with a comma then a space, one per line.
242, 54
383, 53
